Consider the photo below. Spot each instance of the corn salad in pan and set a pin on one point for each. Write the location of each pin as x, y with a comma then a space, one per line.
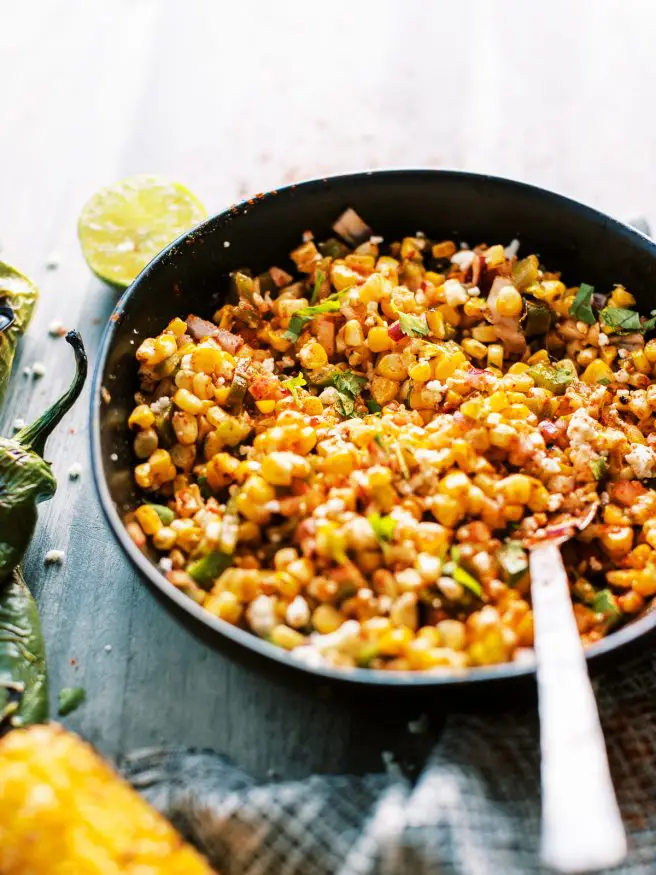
351, 463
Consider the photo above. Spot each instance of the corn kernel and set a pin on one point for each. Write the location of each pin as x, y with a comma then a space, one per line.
286, 637
394, 641
436, 323
313, 355
164, 538
650, 351
392, 367
595, 371
474, 348
148, 519
266, 405
312, 406
279, 468
326, 619
207, 359
502, 435
225, 605
353, 334
141, 417
509, 302
495, 355
617, 540
339, 463
445, 249
378, 339
515, 489
450, 315
188, 402
420, 373
539, 357
640, 361
621, 298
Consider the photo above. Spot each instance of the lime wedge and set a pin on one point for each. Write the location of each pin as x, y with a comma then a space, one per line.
124, 226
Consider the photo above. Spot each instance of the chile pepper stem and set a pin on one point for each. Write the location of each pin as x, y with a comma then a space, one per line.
34, 436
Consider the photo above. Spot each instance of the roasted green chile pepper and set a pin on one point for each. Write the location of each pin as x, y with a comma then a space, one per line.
23, 675
25, 477
18, 295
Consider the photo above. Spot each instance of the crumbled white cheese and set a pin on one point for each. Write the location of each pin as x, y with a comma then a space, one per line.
114, 457
581, 428
38, 369
74, 471
549, 465
226, 244
603, 339
18, 424
512, 249
185, 364
53, 557
643, 461
108, 648
260, 615
56, 329
53, 261
309, 655
298, 613
375, 240
165, 564
474, 292
161, 405
343, 638
330, 395
455, 293
463, 259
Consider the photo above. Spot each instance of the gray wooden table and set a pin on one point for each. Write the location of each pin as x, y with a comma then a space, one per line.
235, 98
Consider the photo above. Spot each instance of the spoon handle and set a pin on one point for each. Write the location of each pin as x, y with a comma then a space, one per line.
582, 828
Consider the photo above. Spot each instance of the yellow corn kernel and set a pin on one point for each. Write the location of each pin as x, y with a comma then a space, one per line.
650, 351
159, 462
339, 463
436, 323
286, 637
185, 427
473, 408
445, 367
495, 355
206, 359
644, 583
313, 355
640, 555
394, 641
621, 298
516, 411
225, 605
495, 256
148, 519
372, 289
474, 348
640, 361
609, 354
452, 634
509, 302
141, 417
177, 327
266, 405
164, 538
450, 315
482, 333
615, 516
477, 307
617, 540
353, 334
143, 476
455, 484
447, 510
517, 383
279, 468
634, 435
502, 435
188, 402
539, 357
515, 489
312, 406
539, 500
445, 249
420, 372
595, 371
378, 340
326, 619
342, 277
221, 470
497, 402
305, 256
548, 290
392, 367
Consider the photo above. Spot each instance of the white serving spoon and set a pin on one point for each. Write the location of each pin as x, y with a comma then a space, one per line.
582, 828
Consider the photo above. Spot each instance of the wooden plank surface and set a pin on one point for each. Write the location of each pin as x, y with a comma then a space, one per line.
235, 98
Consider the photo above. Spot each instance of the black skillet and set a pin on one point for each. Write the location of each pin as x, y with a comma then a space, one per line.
191, 276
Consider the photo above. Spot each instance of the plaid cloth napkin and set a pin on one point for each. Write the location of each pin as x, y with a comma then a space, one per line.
473, 810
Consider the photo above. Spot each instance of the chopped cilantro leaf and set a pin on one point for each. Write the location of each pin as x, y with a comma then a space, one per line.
373, 406
604, 603
599, 467
582, 305
294, 384
413, 326
300, 318
70, 698
383, 526
621, 319
318, 282
349, 386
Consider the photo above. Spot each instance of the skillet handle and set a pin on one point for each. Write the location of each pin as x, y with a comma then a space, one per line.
582, 828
